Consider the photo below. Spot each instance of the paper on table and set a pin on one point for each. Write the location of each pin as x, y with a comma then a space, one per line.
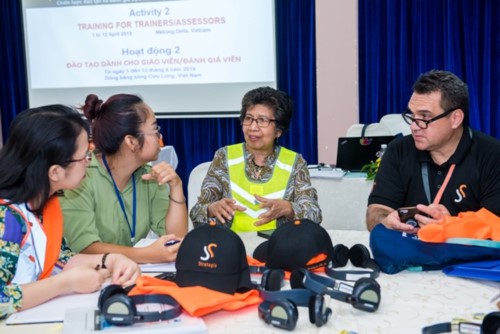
77, 322
53, 310
335, 173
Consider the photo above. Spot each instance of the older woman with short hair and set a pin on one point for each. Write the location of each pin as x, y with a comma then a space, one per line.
259, 184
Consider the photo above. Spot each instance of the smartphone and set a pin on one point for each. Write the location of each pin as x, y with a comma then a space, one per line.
266, 234
407, 215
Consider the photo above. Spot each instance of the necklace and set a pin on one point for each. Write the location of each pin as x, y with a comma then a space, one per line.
256, 170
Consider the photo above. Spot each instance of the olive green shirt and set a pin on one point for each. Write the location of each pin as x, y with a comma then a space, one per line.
92, 213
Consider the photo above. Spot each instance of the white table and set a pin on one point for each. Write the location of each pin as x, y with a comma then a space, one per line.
409, 301
343, 201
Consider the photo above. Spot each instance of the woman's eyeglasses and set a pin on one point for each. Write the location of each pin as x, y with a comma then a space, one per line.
156, 132
86, 158
262, 122
424, 123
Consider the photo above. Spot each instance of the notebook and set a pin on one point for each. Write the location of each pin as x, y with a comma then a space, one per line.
355, 152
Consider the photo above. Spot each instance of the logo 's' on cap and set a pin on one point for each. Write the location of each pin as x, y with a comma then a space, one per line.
213, 256
294, 245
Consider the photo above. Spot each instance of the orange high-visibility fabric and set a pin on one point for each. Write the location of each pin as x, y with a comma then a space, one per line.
53, 228
481, 224
197, 301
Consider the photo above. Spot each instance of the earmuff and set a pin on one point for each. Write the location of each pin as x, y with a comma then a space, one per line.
364, 295
279, 308
359, 256
271, 279
490, 324
117, 308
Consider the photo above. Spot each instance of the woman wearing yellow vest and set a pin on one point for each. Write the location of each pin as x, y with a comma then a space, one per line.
258, 185
47, 151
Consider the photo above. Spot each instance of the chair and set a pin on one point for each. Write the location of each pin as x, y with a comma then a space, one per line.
396, 124
194, 184
373, 129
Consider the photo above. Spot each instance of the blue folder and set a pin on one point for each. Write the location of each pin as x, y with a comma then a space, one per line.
485, 270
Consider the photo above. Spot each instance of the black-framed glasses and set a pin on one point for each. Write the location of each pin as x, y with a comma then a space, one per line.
262, 122
156, 132
424, 123
86, 158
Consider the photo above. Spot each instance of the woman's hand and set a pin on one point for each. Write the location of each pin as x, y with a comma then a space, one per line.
276, 208
163, 173
85, 278
160, 251
123, 270
224, 209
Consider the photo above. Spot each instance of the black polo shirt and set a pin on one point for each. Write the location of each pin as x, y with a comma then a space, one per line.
474, 184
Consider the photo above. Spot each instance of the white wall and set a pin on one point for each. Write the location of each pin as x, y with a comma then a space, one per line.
337, 73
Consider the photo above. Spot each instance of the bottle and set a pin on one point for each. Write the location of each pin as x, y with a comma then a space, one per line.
382, 150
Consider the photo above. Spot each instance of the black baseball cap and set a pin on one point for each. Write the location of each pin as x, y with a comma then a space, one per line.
213, 256
294, 245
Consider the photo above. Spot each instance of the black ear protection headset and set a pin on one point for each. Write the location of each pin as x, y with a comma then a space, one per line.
271, 279
359, 256
117, 308
490, 325
279, 308
364, 295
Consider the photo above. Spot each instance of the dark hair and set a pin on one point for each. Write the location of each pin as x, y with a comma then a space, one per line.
39, 138
280, 103
120, 115
454, 92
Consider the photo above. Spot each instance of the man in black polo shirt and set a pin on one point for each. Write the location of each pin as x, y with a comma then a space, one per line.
444, 167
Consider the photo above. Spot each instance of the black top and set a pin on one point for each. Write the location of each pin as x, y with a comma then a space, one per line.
474, 184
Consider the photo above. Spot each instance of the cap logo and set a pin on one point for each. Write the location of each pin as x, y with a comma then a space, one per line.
209, 254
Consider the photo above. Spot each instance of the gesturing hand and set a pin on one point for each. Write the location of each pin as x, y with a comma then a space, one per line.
276, 208
224, 209
163, 173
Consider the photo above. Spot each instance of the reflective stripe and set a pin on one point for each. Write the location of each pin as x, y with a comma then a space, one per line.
283, 166
236, 161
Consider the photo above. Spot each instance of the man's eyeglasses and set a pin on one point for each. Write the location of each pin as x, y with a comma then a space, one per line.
86, 158
262, 122
156, 132
424, 123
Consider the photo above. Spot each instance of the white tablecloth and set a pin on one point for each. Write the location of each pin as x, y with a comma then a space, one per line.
343, 201
409, 301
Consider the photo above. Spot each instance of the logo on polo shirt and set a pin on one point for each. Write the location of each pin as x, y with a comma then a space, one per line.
209, 254
460, 193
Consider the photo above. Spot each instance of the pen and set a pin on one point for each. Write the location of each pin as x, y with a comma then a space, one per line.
172, 242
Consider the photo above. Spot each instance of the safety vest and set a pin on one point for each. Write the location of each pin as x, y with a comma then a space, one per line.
197, 301
243, 189
41, 245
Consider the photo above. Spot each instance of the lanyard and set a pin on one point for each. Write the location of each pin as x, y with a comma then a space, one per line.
425, 178
120, 200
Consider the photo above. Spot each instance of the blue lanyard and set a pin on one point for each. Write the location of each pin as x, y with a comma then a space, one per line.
120, 200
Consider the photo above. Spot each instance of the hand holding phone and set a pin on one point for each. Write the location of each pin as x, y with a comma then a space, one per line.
407, 215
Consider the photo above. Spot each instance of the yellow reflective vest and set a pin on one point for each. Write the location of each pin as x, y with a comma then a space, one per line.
243, 189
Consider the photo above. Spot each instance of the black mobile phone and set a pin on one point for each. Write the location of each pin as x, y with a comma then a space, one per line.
407, 215
265, 233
